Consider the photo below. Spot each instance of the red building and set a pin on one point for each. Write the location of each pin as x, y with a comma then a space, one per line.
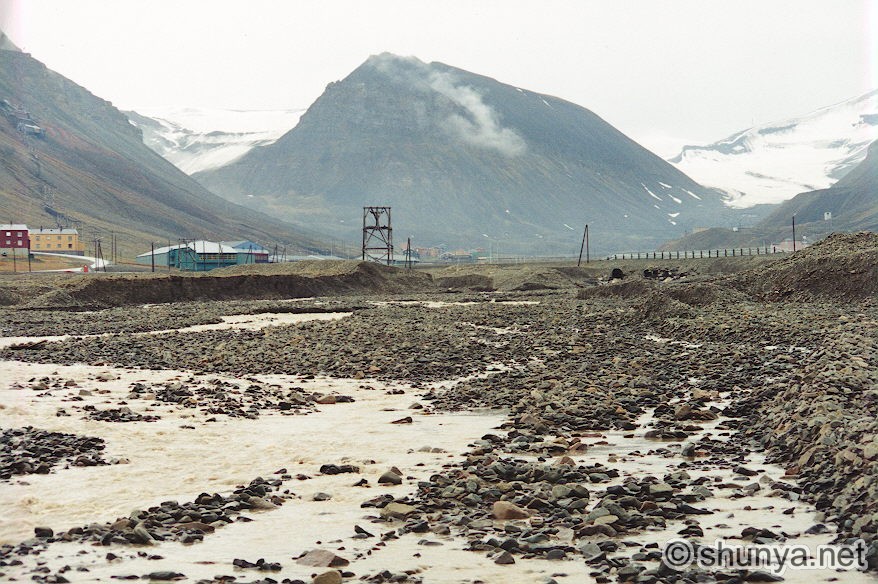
14, 236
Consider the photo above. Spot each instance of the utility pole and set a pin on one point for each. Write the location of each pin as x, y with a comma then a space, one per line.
794, 234
584, 246
152, 253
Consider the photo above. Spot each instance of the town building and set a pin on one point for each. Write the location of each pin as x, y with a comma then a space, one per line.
14, 236
203, 256
57, 240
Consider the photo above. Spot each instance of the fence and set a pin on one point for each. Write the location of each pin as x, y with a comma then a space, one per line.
696, 254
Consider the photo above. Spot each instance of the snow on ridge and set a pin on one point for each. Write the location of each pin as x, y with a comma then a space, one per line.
774, 162
675, 199
197, 139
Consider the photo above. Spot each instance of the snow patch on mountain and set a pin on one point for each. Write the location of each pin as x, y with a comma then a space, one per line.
196, 139
774, 162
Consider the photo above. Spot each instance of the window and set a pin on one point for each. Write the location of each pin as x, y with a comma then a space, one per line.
69, 246
8, 234
37, 246
69, 238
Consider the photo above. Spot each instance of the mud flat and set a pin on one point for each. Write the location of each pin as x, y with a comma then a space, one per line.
449, 433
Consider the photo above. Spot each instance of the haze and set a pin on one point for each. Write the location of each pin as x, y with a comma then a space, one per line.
664, 73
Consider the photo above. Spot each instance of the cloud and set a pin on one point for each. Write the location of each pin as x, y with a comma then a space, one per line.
477, 123
480, 126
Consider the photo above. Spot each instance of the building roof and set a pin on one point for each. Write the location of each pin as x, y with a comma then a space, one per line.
197, 247
13, 227
56, 231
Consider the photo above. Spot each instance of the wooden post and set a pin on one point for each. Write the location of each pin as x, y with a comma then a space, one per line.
794, 234
152, 254
582, 246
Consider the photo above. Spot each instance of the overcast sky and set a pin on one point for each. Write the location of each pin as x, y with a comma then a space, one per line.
664, 72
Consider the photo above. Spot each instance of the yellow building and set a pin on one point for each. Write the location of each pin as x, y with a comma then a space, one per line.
56, 241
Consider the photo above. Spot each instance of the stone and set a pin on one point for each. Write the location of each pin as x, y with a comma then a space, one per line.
330, 577
165, 575
504, 559
390, 478
660, 489
43, 532
397, 510
504, 510
142, 534
319, 558
261, 504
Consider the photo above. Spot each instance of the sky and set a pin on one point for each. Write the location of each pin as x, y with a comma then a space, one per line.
665, 72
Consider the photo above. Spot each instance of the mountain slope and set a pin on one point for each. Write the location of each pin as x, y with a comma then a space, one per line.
853, 200
195, 140
774, 162
91, 165
465, 160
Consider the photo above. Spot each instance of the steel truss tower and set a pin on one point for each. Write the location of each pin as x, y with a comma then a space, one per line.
377, 235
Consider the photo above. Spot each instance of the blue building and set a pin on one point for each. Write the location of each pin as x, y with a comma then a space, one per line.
203, 256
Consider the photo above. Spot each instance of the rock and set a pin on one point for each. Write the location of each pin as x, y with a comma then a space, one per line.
606, 520
660, 489
330, 577
504, 510
321, 497
261, 504
43, 532
325, 400
504, 559
397, 510
760, 576
165, 575
319, 558
405, 420
390, 477
142, 534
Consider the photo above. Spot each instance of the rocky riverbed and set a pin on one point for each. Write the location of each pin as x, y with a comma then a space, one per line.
447, 435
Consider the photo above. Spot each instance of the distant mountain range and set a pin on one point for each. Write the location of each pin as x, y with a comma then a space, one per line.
199, 139
851, 204
89, 165
465, 160
773, 162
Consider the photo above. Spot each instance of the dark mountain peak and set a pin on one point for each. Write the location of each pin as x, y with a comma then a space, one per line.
6, 43
464, 158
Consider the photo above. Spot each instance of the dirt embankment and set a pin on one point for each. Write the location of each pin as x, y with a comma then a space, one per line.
271, 281
844, 266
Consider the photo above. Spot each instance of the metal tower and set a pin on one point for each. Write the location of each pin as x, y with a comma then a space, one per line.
377, 235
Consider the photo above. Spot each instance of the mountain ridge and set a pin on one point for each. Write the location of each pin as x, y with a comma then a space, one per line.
91, 165
773, 162
462, 158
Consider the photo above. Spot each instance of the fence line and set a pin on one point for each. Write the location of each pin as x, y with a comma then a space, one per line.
697, 254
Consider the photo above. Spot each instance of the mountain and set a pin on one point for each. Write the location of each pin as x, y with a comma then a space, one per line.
773, 162
82, 160
852, 203
465, 160
6, 43
197, 139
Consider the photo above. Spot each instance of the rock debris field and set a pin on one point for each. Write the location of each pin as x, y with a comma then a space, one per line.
486, 424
